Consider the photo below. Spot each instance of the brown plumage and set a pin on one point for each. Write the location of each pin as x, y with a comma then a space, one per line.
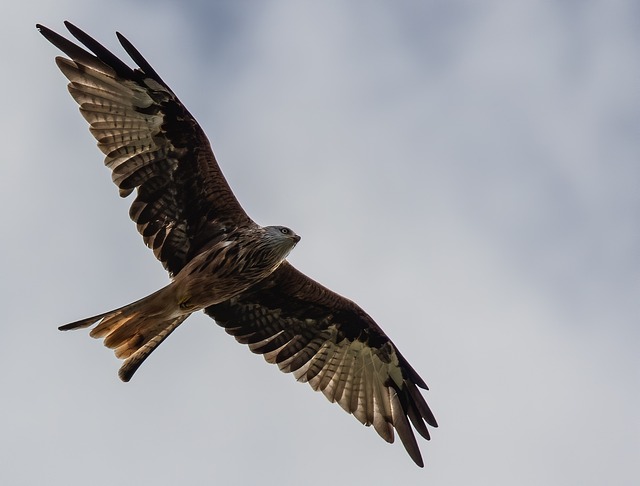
220, 260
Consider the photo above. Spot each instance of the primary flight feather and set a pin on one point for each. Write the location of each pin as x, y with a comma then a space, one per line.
219, 259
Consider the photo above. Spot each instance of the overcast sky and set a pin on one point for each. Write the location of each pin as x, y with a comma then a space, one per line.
466, 171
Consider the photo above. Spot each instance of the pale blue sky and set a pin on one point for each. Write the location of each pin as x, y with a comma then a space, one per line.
466, 171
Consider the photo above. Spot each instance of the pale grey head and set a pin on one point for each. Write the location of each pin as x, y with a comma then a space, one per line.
276, 243
282, 236
281, 240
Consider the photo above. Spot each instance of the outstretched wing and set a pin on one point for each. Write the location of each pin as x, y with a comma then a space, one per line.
152, 144
331, 343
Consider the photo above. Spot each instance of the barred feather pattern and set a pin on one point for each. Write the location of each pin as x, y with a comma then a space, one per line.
152, 145
332, 344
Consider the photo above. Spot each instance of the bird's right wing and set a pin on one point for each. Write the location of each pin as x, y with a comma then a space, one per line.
152, 144
331, 343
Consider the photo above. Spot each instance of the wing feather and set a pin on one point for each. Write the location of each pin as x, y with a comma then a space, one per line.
153, 146
331, 343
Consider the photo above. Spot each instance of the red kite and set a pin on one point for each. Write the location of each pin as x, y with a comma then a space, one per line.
219, 259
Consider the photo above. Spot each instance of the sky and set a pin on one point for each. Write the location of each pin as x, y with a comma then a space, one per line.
466, 171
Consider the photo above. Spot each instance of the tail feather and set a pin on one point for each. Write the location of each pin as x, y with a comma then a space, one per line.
111, 323
126, 331
133, 362
133, 331
82, 323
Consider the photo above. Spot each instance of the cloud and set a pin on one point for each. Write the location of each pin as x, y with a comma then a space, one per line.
466, 172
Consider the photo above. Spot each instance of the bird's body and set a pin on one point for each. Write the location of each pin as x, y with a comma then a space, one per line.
226, 267
232, 264
219, 259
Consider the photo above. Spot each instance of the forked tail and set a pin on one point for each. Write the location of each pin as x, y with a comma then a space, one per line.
133, 331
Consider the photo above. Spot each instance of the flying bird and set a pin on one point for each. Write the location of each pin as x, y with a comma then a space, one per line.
221, 261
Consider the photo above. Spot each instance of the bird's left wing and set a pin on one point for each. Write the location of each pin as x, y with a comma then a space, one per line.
151, 144
331, 343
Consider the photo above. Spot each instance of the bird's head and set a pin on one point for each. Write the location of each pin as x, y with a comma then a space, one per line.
281, 240
283, 234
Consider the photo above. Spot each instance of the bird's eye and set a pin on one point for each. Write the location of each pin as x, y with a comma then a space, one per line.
284, 231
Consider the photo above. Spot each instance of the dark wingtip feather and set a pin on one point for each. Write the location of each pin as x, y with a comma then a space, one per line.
404, 430
140, 60
421, 405
101, 52
75, 52
61, 43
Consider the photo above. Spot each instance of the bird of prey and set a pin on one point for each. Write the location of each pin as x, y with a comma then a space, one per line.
219, 259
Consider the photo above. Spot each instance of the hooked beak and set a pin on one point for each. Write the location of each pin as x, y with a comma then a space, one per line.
296, 238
